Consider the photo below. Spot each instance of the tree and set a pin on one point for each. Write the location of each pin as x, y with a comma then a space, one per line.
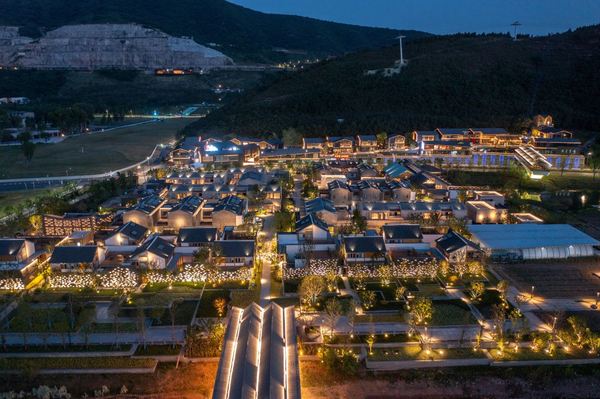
220, 304
368, 298
24, 137
28, 149
358, 222
331, 277
333, 312
284, 221
309, 190
141, 320
311, 287
386, 274
399, 293
370, 341
202, 255
84, 320
594, 161
502, 288
382, 140
291, 137
477, 290
579, 328
35, 221
421, 310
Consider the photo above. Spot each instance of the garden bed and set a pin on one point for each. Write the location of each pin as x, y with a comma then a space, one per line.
451, 312
524, 354
206, 308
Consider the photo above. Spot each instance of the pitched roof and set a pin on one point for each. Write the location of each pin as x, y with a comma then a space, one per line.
396, 169
318, 205
235, 248
367, 137
309, 220
314, 140
188, 204
132, 230
197, 234
452, 241
402, 231
75, 254
231, 204
149, 204
10, 246
338, 184
364, 244
489, 130
156, 246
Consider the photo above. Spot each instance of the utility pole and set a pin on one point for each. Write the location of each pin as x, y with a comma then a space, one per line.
515, 25
401, 54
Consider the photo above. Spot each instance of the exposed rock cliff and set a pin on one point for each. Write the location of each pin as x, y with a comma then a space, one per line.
88, 47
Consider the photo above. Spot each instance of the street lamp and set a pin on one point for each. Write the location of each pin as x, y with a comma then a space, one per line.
532, 289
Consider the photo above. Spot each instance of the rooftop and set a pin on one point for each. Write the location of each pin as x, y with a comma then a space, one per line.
529, 235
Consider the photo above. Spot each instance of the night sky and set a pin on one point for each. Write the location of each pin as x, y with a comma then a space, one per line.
539, 17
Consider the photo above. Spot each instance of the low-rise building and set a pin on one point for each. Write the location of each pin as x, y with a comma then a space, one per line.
456, 248
401, 233
311, 228
84, 258
130, 233
185, 214
229, 211
155, 253
146, 213
197, 236
234, 253
363, 249
484, 212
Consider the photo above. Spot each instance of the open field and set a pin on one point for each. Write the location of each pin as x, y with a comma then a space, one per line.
102, 152
554, 280
14, 198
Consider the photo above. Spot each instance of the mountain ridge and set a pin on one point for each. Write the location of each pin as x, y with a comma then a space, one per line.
466, 79
237, 31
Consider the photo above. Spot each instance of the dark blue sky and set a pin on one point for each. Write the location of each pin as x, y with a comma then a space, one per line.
538, 17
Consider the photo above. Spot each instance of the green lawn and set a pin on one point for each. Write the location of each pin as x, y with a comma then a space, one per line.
206, 308
75, 363
414, 352
157, 350
529, 354
61, 348
102, 152
13, 198
451, 312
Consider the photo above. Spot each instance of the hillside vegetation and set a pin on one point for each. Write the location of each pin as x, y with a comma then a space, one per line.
452, 81
239, 32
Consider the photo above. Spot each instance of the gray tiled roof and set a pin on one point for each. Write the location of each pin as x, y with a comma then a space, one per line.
310, 219
75, 254
402, 231
10, 246
236, 248
197, 234
363, 244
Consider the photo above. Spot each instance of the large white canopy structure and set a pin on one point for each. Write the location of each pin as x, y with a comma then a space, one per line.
534, 241
259, 358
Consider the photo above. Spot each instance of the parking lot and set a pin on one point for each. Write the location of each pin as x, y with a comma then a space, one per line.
561, 279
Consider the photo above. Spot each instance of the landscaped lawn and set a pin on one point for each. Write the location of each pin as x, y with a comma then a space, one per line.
362, 339
414, 352
90, 154
291, 286
530, 354
451, 312
176, 287
111, 328
485, 304
184, 313
74, 363
30, 319
65, 348
206, 308
157, 350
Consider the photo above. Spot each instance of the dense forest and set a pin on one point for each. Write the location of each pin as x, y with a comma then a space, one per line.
239, 32
118, 91
453, 81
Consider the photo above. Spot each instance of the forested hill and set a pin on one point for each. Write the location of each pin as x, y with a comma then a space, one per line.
450, 81
239, 32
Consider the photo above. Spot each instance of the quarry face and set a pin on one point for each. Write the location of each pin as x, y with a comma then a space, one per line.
102, 46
